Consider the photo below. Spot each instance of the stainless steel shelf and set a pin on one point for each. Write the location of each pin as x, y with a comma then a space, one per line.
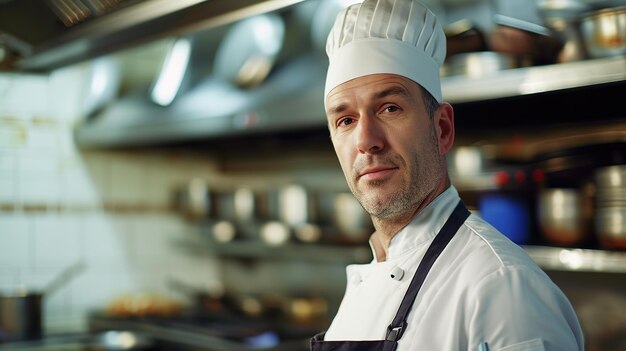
287, 252
547, 257
538, 79
578, 260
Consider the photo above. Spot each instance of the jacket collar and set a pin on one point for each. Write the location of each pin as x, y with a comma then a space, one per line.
424, 226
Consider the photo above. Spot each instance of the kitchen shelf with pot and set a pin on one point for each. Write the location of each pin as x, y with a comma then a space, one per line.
532, 80
547, 257
577, 259
528, 96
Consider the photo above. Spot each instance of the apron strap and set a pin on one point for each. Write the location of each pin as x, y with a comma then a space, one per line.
449, 229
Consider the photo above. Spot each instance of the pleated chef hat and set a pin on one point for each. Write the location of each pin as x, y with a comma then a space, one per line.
400, 37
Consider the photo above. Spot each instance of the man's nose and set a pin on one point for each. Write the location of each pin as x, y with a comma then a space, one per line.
370, 136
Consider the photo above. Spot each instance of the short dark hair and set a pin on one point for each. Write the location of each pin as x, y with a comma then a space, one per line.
430, 103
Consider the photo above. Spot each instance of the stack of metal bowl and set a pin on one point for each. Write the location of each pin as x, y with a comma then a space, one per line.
610, 214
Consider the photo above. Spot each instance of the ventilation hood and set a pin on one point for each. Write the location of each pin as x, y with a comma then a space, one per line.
40, 35
290, 99
287, 97
206, 105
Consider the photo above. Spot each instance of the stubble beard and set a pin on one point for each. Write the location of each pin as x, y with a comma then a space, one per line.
422, 179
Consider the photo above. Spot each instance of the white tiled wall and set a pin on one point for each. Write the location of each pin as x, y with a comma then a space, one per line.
108, 210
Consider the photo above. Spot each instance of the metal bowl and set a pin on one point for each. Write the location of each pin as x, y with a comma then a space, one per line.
604, 32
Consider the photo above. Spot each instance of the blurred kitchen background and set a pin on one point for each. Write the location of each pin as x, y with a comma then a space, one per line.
167, 181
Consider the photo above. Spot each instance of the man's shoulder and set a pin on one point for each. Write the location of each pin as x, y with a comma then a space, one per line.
487, 250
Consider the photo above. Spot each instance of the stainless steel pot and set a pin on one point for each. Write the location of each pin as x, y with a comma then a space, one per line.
20, 315
610, 223
604, 32
353, 222
611, 227
563, 217
478, 64
21, 311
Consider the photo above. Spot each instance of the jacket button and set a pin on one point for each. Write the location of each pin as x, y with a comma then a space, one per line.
397, 273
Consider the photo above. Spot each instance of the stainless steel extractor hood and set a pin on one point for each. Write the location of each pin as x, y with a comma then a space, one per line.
40, 35
290, 99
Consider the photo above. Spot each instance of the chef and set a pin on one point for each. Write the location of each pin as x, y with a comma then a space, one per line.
442, 278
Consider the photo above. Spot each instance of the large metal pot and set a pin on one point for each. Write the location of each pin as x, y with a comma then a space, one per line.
563, 216
20, 315
354, 223
604, 32
611, 206
21, 312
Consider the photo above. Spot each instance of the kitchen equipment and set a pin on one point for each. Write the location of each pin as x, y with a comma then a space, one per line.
604, 32
195, 200
530, 43
478, 64
563, 17
102, 85
323, 20
21, 311
610, 215
249, 50
610, 226
120, 340
563, 216
349, 217
464, 36
275, 233
20, 315
290, 210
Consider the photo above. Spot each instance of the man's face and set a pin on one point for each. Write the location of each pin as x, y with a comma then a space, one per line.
386, 143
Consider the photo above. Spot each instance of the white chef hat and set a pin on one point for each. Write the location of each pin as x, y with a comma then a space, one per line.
400, 37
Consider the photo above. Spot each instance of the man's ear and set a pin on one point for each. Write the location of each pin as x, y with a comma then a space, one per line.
444, 122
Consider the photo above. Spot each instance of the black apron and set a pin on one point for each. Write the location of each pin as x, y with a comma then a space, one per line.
399, 324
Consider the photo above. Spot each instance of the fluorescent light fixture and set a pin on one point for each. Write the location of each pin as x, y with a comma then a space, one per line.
172, 73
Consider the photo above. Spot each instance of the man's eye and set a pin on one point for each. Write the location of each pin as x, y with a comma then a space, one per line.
391, 108
345, 122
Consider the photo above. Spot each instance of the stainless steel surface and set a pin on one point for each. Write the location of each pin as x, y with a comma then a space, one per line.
610, 186
249, 50
20, 315
478, 64
109, 340
352, 221
531, 80
563, 17
21, 308
120, 340
563, 219
280, 103
328, 254
611, 227
610, 207
582, 260
135, 22
604, 32
195, 201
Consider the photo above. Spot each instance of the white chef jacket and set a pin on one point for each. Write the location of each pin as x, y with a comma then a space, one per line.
482, 288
